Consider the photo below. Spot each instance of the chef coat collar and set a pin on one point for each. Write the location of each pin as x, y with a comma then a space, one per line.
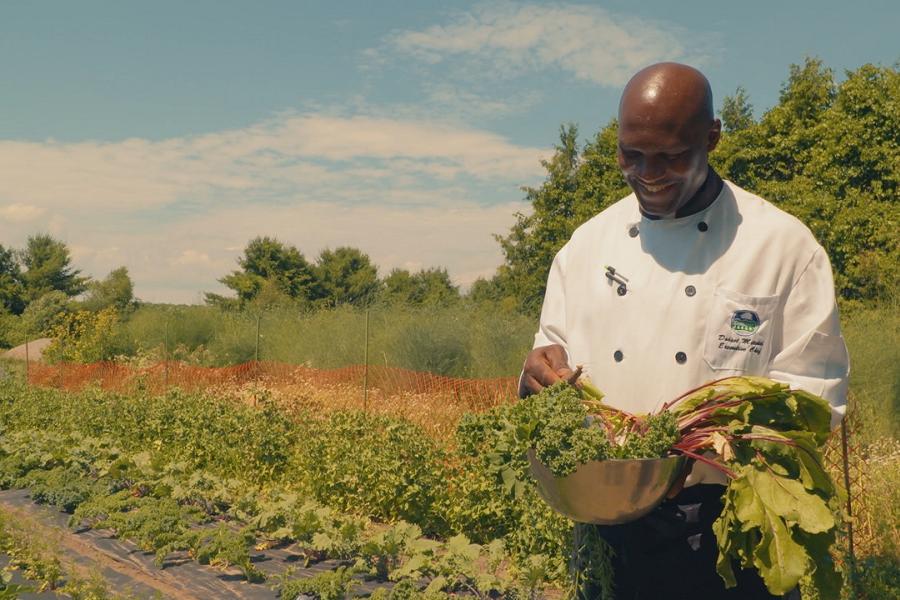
646, 224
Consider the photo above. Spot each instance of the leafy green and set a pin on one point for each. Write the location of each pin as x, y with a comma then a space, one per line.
780, 503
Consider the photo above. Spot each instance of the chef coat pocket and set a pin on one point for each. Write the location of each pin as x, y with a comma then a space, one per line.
739, 331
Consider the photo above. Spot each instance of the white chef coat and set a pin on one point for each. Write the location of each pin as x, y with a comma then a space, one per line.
740, 288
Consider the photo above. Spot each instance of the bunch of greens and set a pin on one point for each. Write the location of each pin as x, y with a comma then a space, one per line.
569, 426
767, 438
780, 502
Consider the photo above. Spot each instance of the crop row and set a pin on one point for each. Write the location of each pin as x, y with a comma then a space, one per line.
215, 478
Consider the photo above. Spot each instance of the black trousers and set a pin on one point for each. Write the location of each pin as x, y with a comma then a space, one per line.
671, 553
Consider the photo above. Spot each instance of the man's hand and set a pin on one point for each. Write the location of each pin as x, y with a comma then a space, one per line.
544, 366
679, 483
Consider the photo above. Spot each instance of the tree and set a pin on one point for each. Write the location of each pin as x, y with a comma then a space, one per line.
737, 112
346, 276
428, 287
268, 264
435, 288
48, 267
398, 288
578, 185
12, 290
116, 291
46, 312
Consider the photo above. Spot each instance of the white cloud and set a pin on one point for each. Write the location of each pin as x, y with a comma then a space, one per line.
511, 38
178, 212
191, 257
318, 155
21, 213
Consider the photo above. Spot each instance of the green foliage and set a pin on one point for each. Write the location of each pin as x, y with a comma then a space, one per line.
458, 340
271, 266
383, 467
62, 487
346, 276
83, 336
48, 267
879, 577
329, 585
737, 112
428, 287
875, 376
558, 423
12, 288
223, 546
116, 291
780, 502
579, 184
43, 314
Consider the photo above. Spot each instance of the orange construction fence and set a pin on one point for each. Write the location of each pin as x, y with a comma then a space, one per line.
473, 393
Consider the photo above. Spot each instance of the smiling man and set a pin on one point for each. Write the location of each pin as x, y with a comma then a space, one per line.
689, 279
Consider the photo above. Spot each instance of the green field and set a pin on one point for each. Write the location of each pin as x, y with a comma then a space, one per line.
371, 490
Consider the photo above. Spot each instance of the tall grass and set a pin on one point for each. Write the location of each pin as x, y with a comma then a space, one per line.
458, 341
873, 338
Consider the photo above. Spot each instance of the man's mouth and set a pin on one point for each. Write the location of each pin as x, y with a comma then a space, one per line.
655, 188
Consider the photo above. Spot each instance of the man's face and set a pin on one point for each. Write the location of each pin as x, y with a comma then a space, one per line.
664, 162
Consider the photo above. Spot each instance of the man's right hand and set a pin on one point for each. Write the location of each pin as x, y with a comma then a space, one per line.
544, 366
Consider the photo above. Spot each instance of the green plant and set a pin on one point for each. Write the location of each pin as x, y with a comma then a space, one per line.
329, 585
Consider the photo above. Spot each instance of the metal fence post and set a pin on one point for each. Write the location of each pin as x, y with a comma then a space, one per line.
166, 360
845, 456
256, 354
27, 362
366, 367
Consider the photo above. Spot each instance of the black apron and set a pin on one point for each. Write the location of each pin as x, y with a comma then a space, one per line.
671, 553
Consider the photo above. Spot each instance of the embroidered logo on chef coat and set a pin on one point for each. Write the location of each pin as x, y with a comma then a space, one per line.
739, 330
744, 322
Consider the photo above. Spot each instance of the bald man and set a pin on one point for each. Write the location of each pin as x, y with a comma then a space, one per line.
688, 279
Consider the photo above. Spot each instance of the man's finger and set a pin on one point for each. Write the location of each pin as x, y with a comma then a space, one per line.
556, 357
531, 384
565, 373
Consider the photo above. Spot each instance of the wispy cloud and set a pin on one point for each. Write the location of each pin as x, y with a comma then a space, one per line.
309, 156
177, 212
589, 42
21, 213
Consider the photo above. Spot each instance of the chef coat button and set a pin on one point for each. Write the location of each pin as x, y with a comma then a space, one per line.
690, 290
680, 358
702, 226
633, 231
618, 355
621, 290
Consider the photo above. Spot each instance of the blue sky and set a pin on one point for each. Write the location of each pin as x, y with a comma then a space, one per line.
163, 136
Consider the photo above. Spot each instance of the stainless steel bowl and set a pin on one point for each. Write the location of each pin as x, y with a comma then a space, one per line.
607, 492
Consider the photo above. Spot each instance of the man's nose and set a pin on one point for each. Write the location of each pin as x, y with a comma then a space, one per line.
651, 169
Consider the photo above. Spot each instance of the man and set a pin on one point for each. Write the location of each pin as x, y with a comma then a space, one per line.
687, 280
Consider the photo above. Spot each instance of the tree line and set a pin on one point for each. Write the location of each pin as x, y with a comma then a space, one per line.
274, 273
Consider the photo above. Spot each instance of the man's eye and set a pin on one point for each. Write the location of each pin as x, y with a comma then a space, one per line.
676, 155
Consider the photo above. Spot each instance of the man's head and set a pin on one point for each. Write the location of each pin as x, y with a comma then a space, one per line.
666, 131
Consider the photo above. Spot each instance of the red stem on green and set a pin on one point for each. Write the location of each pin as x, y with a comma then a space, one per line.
716, 465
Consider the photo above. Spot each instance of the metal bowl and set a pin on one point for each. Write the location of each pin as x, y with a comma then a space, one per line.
607, 492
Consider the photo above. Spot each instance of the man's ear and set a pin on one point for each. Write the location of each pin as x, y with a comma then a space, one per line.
715, 133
